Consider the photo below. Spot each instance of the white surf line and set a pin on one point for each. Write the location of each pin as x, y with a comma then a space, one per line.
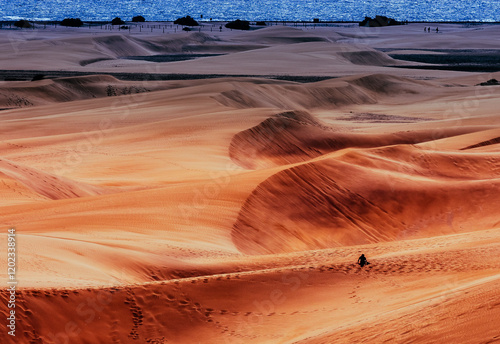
417, 305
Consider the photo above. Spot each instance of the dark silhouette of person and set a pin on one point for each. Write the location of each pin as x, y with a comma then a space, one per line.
429, 29
437, 30
362, 260
425, 28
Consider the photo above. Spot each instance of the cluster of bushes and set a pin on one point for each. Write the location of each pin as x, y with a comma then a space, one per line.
77, 22
117, 21
138, 19
186, 21
37, 77
73, 22
491, 82
238, 25
23, 24
379, 21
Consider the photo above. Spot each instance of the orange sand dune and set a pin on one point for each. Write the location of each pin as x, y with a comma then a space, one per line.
25, 94
358, 197
314, 297
144, 195
291, 137
50, 186
233, 210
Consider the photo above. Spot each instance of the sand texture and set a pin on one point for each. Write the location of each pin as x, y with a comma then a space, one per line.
234, 209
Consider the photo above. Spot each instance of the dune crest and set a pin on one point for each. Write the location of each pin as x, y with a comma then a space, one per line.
297, 136
45, 184
58, 90
368, 196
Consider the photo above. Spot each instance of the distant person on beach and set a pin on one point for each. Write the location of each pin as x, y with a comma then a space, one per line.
425, 28
429, 29
437, 30
362, 260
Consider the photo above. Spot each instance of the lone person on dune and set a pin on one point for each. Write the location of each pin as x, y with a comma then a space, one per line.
362, 260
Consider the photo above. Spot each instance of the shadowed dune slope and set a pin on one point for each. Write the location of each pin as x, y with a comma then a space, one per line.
295, 96
365, 196
332, 93
23, 94
312, 297
384, 84
369, 58
281, 35
297, 136
45, 184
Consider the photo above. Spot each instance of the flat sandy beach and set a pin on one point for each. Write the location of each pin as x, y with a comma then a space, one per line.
218, 186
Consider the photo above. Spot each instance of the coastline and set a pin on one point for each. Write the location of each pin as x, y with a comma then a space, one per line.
274, 22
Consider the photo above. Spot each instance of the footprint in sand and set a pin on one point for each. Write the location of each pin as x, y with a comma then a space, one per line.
137, 316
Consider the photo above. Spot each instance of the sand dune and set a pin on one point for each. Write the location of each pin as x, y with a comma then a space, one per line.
281, 35
254, 53
233, 210
25, 94
326, 94
334, 300
361, 197
296, 136
50, 186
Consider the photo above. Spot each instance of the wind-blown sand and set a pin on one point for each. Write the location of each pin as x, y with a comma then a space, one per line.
233, 210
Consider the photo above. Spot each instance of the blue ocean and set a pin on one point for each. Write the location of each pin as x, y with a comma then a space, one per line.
290, 10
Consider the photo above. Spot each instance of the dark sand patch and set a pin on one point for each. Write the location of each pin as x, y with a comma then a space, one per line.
169, 57
466, 60
381, 118
27, 75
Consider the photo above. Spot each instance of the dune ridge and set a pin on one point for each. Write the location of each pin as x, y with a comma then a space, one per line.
159, 311
336, 201
295, 136
27, 94
47, 185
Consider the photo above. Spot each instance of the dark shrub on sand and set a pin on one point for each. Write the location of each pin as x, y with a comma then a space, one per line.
491, 82
238, 25
73, 22
138, 19
379, 21
186, 29
117, 21
23, 24
260, 23
187, 21
37, 77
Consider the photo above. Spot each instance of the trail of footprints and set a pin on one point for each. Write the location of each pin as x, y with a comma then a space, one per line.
137, 315
181, 301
